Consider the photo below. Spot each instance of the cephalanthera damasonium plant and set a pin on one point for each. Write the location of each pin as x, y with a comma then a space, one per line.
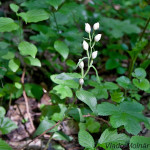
88, 46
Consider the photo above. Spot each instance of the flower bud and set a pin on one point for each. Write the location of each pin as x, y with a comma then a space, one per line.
97, 37
96, 26
81, 65
94, 55
85, 45
87, 28
81, 81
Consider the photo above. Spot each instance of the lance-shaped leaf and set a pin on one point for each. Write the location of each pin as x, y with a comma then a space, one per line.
61, 48
7, 25
34, 15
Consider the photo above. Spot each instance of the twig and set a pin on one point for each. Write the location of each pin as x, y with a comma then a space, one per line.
101, 119
26, 99
23, 123
42, 134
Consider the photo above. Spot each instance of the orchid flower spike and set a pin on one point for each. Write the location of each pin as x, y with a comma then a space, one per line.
94, 54
81, 65
96, 26
97, 37
87, 28
85, 45
81, 81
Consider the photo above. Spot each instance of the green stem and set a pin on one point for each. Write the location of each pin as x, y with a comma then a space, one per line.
82, 72
56, 22
47, 145
144, 29
134, 60
96, 74
88, 69
131, 67
20, 27
88, 58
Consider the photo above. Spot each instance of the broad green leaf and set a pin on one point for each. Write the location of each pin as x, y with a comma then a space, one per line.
2, 111
61, 136
110, 86
68, 76
88, 98
3, 48
117, 28
38, 4
92, 125
71, 63
124, 82
117, 96
68, 79
6, 125
139, 143
33, 61
55, 3
82, 126
14, 64
85, 139
106, 109
63, 91
23, 15
121, 70
61, 48
9, 55
7, 25
100, 90
128, 114
59, 115
147, 125
34, 15
139, 73
4, 145
18, 85
111, 64
142, 84
44, 125
14, 7
49, 110
111, 137
76, 114
3, 70
27, 48
34, 90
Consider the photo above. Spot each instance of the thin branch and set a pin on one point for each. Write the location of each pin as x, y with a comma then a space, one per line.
24, 119
97, 118
26, 99
42, 134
